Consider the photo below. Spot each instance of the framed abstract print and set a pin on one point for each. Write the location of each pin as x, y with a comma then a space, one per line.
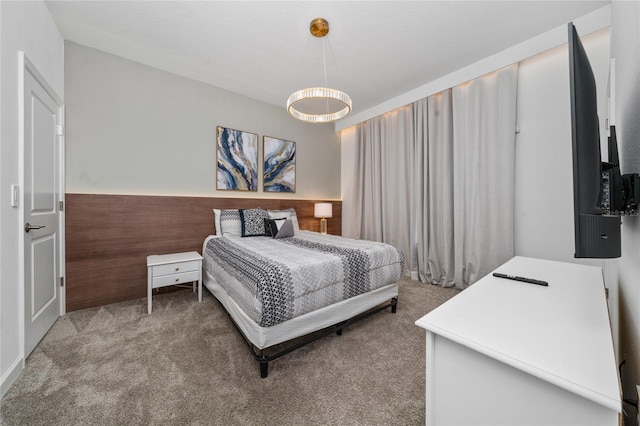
279, 165
236, 160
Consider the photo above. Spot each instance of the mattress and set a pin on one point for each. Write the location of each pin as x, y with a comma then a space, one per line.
272, 281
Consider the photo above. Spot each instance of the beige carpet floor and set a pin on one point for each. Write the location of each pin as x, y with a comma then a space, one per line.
186, 364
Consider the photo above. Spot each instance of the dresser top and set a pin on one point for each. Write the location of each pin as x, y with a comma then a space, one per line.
560, 333
163, 259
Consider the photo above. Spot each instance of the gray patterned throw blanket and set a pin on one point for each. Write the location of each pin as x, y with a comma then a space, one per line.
273, 280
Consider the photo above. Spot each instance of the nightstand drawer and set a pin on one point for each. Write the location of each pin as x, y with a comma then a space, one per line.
175, 268
172, 279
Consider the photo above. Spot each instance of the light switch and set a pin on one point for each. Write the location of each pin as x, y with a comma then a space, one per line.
15, 195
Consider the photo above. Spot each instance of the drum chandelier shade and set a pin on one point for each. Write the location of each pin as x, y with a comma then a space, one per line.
334, 103
319, 93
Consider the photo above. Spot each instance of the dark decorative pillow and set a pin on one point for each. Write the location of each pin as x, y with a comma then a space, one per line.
253, 221
286, 230
271, 226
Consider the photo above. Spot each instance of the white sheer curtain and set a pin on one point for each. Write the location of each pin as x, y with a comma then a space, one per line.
484, 118
435, 179
384, 173
435, 174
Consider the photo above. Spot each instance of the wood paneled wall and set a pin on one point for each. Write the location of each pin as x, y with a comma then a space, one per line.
108, 238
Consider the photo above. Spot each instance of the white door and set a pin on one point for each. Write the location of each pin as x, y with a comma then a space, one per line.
41, 196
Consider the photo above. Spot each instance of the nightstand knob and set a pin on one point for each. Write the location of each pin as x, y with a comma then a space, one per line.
177, 268
177, 280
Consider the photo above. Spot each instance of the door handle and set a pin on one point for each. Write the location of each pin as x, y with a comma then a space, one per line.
28, 227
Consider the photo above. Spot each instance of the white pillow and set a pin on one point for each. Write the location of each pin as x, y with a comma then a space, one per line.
289, 213
227, 222
216, 221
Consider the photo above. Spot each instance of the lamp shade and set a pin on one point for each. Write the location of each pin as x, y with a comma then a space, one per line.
323, 210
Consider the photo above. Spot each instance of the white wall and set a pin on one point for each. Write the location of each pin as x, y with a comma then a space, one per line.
134, 129
625, 48
544, 173
25, 26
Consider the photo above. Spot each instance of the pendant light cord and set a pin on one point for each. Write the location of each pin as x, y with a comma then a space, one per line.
326, 82
324, 64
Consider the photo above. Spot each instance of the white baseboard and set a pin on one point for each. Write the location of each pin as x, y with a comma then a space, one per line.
10, 376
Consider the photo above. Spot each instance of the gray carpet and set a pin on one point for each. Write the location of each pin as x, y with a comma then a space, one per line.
186, 364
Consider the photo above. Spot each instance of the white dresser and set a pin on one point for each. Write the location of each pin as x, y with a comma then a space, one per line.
504, 352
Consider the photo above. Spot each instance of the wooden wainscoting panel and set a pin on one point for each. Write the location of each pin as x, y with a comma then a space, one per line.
108, 237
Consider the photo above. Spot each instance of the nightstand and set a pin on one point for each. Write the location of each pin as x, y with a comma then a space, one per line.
172, 269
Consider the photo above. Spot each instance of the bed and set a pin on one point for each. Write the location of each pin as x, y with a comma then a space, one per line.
285, 292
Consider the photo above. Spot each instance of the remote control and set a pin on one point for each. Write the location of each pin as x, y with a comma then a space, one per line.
521, 279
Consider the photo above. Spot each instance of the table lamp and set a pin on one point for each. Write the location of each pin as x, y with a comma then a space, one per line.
323, 211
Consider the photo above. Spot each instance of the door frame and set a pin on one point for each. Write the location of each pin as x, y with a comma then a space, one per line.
26, 66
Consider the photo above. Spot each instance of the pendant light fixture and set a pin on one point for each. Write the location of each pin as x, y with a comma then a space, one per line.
319, 104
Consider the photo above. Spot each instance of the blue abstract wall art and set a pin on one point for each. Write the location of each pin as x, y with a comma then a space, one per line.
237, 160
279, 165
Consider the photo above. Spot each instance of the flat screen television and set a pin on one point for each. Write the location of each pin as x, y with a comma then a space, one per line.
597, 234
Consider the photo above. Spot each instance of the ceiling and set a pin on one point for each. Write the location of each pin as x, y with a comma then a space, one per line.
375, 50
